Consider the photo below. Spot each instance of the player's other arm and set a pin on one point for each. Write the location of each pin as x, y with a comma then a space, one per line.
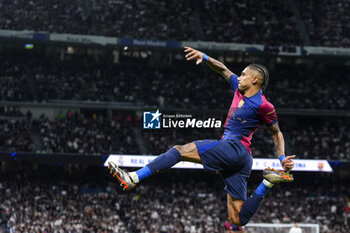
217, 66
278, 139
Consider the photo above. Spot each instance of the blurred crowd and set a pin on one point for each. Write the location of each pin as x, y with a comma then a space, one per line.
296, 86
15, 135
176, 201
181, 87
40, 202
186, 88
328, 23
84, 134
40, 81
322, 199
269, 23
320, 139
251, 22
96, 134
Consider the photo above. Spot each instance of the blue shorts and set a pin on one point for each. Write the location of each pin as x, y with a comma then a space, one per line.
231, 159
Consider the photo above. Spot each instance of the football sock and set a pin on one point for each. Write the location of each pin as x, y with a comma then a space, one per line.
263, 188
163, 161
143, 173
252, 204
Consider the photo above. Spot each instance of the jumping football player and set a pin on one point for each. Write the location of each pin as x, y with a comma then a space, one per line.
231, 155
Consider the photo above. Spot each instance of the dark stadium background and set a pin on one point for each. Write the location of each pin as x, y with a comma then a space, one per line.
66, 104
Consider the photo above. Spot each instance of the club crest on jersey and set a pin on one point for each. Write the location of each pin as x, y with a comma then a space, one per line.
241, 103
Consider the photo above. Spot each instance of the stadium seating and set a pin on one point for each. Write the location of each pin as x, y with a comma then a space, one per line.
87, 134
290, 87
326, 23
268, 23
15, 136
48, 199
180, 87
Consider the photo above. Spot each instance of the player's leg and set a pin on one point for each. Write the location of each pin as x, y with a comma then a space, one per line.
128, 180
234, 206
187, 152
240, 212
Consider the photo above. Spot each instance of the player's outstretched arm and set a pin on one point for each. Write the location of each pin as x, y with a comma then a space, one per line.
286, 161
217, 66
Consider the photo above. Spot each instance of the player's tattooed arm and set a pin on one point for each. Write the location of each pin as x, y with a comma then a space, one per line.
220, 68
287, 163
217, 66
278, 139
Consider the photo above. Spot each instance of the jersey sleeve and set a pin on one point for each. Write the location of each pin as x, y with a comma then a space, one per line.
234, 81
267, 114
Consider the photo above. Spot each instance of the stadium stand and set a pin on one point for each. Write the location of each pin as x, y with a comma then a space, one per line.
44, 81
13, 82
87, 199
291, 85
320, 139
46, 203
97, 135
10, 111
52, 16
102, 18
269, 23
87, 134
177, 24
180, 87
15, 136
327, 23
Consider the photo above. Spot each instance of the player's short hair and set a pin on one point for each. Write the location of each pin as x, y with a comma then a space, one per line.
263, 72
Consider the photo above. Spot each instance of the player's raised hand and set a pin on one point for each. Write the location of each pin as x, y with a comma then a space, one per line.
287, 163
193, 54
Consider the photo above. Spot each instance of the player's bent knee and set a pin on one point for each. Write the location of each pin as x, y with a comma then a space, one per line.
187, 148
179, 148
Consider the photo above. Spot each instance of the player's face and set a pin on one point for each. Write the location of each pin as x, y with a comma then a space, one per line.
245, 81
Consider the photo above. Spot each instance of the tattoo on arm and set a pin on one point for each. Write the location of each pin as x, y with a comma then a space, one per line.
219, 67
277, 139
